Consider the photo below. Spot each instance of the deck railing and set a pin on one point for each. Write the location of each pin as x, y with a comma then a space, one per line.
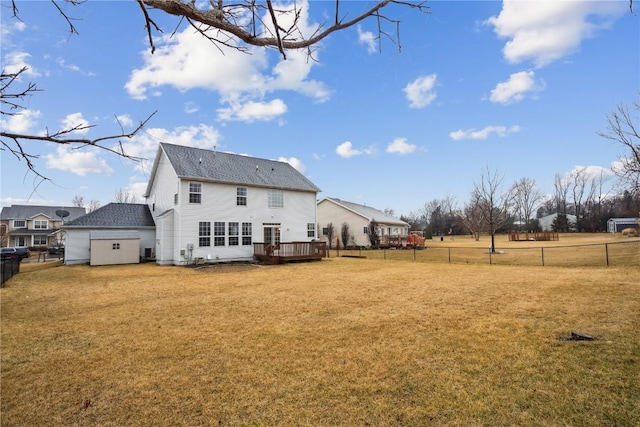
289, 251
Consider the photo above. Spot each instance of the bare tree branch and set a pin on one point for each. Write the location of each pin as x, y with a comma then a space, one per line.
227, 19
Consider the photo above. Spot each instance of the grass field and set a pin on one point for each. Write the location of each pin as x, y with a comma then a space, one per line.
340, 342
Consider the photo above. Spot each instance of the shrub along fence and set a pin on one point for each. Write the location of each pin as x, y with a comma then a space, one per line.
616, 254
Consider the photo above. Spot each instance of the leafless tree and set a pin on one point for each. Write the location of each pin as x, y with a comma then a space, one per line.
236, 25
493, 201
373, 233
527, 197
623, 129
249, 22
331, 231
93, 205
123, 196
561, 187
345, 233
78, 201
471, 216
578, 182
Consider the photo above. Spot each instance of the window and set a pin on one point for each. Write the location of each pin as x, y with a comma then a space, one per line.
115, 246
325, 231
19, 223
175, 199
195, 192
246, 233
234, 231
365, 230
311, 229
218, 234
40, 224
241, 196
276, 199
39, 240
204, 234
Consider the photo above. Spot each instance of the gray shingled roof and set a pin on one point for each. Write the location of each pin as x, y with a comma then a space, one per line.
29, 211
208, 165
367, 212
116, 215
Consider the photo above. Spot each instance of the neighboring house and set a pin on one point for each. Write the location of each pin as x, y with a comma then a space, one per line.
117, 233
34, 226
214, 206
546, 222
616, 225
358, 217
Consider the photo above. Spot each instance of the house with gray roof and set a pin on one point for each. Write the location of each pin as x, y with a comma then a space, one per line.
35, 225
117, 233
213, 205
358, 217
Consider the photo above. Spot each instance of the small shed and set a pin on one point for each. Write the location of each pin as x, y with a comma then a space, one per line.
117, 233
616, 225
108, 247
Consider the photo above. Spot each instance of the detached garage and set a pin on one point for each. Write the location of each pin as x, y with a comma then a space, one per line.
117, 233
114, 247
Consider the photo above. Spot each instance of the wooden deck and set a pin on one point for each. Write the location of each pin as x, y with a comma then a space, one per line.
289, 252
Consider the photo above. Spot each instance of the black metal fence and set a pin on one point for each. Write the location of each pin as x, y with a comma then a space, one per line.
616, 254
10, 267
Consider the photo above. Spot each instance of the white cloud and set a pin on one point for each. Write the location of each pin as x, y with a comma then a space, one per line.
400, 146
187, 60
190, 108
145, 145
15, 61
591, 172
296, 163
81, 162
515, 89
483, 133
63, 64
544, 31
368, 39
21, 122
420, 92
75, 120
252, 111
346, 150
124, 120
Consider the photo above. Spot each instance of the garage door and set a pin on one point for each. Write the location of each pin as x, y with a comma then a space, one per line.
114, 247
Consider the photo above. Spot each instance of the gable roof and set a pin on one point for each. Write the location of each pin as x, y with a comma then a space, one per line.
214, 166
116, 215
366, 212
30, 211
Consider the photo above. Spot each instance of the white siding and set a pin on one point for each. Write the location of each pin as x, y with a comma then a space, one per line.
330, 212
219, 205
165, 185
77, 246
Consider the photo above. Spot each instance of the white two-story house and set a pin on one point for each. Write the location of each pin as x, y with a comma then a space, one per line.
214, 206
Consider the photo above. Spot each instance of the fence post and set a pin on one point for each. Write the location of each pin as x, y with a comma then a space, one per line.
449, 255
606, 252
542, 252
414, 253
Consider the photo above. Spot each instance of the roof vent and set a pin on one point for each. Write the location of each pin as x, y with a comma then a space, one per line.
200, 160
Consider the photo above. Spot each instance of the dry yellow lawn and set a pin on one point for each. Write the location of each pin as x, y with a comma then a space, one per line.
341, 342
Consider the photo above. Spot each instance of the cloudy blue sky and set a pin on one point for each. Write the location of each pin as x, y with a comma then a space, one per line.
521, 88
